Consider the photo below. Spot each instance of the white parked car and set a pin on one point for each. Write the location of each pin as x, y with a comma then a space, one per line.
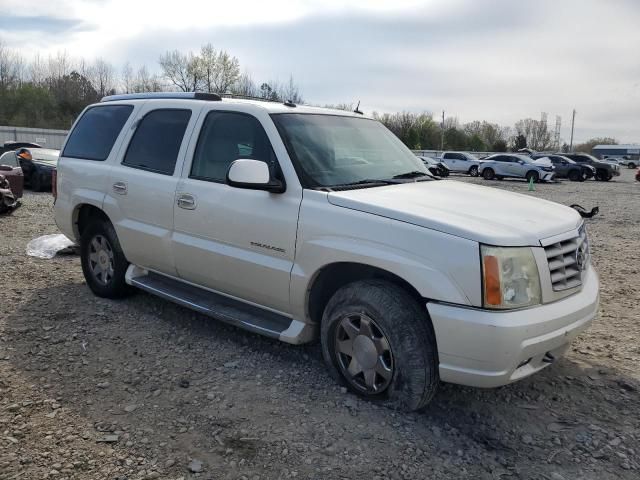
515, 165
461, 162
301, 223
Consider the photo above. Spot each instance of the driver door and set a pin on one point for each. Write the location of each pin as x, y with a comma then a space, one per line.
236, 241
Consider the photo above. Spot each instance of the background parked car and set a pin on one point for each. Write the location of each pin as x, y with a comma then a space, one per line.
37, 165
629, 162
461, 162
10, 168
566, 168
437, 168
638, 174
514, 165
604, 171
10, 146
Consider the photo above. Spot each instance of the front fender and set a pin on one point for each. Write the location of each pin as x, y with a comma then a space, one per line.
439, 266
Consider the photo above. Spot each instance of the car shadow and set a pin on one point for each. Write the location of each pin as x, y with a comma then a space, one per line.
191, 384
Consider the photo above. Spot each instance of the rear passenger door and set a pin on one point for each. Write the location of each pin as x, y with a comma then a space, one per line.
235, 241
452, 160
141, 190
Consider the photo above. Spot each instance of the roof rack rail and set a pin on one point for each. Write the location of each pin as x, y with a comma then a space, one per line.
213, 97
248, 97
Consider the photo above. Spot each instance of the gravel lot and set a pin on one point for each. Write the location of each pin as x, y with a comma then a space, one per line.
142, 389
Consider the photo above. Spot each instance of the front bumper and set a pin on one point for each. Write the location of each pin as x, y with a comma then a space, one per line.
547, 176
483, 348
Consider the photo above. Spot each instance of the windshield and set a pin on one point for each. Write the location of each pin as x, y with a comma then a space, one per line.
470, 156
524, 158
331, 150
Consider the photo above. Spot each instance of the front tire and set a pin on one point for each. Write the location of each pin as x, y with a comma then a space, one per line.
488, 174
103, 262
378, 341
473, 171
532, 174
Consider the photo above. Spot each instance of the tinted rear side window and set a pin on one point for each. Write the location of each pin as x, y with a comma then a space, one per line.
96, 132
157, 140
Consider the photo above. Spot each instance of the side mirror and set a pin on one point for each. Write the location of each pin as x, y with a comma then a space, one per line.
6, 168
253, 175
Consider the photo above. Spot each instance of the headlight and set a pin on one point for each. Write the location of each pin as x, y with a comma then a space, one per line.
510, 277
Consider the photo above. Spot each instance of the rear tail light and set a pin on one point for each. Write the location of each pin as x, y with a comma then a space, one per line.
54, 183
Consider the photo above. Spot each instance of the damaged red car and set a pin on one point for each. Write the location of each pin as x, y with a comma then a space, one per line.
11, 170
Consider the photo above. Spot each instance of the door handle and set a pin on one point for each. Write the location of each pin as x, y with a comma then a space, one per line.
120, 188
186, 201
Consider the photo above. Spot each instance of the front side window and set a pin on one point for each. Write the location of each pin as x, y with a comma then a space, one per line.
96, 132
224, 138
332, 150
156, 142
9, 158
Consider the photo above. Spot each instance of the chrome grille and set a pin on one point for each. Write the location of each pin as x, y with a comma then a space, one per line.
567, 260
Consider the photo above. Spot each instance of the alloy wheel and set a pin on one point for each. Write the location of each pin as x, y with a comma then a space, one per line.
363, 353
101, 261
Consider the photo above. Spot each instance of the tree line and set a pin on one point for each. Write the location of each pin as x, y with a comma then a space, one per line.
50, 92
422, 132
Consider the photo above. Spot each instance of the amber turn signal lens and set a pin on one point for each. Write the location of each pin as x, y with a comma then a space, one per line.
491, 271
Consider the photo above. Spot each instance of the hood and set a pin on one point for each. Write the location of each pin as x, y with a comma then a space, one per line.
482, 214
544, 161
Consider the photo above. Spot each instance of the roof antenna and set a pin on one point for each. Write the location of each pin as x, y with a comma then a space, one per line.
357, 110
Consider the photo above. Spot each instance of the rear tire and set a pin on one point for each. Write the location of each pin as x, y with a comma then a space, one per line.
473, 171
103, 262
488, 174
378, 341
631, 165
532, 174
575, 176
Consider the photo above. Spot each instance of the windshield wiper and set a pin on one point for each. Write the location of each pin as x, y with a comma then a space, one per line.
412, 174
367, 181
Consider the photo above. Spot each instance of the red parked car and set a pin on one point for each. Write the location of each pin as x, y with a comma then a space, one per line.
638, 174
10, 169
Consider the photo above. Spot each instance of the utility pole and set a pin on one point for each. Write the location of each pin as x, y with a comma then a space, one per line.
442, 133
573, 119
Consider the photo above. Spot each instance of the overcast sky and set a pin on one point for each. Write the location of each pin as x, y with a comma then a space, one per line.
495, 60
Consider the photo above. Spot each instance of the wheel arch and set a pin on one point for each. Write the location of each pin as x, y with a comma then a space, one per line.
330, 278
83, 213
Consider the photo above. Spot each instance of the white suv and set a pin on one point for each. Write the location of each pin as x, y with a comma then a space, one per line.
461, 162
301, 223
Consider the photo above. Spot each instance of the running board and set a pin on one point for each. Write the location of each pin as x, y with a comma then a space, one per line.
220, 307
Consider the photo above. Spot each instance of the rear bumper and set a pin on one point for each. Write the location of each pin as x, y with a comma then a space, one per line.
484, 348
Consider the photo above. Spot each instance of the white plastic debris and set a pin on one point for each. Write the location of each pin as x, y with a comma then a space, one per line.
48, 245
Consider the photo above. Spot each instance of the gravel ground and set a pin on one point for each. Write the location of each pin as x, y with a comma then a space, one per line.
141, 388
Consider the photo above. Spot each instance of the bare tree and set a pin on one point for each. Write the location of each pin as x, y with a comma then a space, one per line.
59, 65
145, 81
536, 133
291, 92
182, 70
37, 71
11, 67
101, 75
127, 78
245, 86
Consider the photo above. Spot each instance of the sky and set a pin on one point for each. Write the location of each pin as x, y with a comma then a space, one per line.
494, 60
